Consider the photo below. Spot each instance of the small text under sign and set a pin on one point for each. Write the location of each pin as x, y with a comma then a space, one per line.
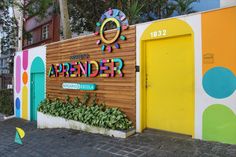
79, 86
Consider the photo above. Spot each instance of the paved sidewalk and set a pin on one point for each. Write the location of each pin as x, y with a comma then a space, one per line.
63, 143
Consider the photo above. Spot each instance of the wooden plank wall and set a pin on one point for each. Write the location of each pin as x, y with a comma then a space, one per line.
118, 92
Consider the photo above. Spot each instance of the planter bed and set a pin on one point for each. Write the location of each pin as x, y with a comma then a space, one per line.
48, 121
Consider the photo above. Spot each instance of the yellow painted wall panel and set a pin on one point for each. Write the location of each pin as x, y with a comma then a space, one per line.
167, 77
25, 102
170, 84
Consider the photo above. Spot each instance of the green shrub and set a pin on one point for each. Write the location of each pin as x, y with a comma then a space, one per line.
89, 113
6, 102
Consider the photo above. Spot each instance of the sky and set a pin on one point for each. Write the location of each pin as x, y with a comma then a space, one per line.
206, 5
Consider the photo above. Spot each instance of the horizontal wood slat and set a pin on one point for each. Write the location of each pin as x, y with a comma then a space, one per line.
116, 91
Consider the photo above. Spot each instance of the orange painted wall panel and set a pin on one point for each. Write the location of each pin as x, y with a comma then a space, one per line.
219, 39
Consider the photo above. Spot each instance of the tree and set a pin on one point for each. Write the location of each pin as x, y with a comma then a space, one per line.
132, 9
8, 29
184, 6
118, 4
8, 32
85, 13
65, 19
33, 8
158, 9
76, 15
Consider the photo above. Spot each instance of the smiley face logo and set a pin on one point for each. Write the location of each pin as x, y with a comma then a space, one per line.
116, 17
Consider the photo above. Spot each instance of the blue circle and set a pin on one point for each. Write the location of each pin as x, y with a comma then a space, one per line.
17, 103
219, 82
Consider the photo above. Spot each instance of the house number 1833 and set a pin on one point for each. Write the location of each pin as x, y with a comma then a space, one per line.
158, 33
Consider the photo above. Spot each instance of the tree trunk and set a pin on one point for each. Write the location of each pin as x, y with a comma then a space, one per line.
65, 19
129, 4
120, 6
18, 18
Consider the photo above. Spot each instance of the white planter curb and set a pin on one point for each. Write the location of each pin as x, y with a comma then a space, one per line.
3, 117
48, 121
9, 117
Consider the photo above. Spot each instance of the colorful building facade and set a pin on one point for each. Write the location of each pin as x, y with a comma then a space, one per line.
192, 89
29, 84
182, 69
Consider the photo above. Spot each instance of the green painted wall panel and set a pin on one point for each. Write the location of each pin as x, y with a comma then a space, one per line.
219, 124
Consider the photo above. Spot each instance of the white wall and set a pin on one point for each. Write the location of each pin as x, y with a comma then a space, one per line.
32, 54
227, 3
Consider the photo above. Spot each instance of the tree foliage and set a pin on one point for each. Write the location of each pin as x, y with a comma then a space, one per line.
85, 13
8, 29
157, 9
184, 6
132, 8
133, 11
142, 11
37, 8
6, 102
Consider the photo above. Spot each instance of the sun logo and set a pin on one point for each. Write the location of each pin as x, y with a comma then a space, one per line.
20, 134
119, 19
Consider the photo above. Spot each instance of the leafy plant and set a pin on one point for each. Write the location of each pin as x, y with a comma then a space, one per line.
185, 6
134, 11
158, 9
93, 113
84, 14
6, 102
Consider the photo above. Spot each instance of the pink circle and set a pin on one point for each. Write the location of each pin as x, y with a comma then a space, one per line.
18, 74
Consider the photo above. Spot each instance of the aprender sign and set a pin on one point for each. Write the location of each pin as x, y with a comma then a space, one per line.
88, 68
95, 68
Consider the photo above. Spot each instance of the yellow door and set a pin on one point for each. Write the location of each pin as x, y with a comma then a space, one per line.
170, 84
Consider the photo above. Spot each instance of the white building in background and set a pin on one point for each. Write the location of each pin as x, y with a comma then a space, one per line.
227, 3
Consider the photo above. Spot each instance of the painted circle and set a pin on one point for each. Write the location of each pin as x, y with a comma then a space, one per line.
117, 33
25, 77
25, 59
17, 103
18, 74
219, 124
219, 82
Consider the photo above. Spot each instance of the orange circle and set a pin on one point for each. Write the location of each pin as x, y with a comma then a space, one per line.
25, 77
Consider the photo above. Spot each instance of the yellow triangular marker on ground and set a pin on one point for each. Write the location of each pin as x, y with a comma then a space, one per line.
20, 132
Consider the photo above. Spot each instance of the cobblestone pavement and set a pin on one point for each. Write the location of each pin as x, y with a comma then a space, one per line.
63, 142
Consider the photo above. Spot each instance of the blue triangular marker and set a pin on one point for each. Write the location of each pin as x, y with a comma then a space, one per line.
17, 138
